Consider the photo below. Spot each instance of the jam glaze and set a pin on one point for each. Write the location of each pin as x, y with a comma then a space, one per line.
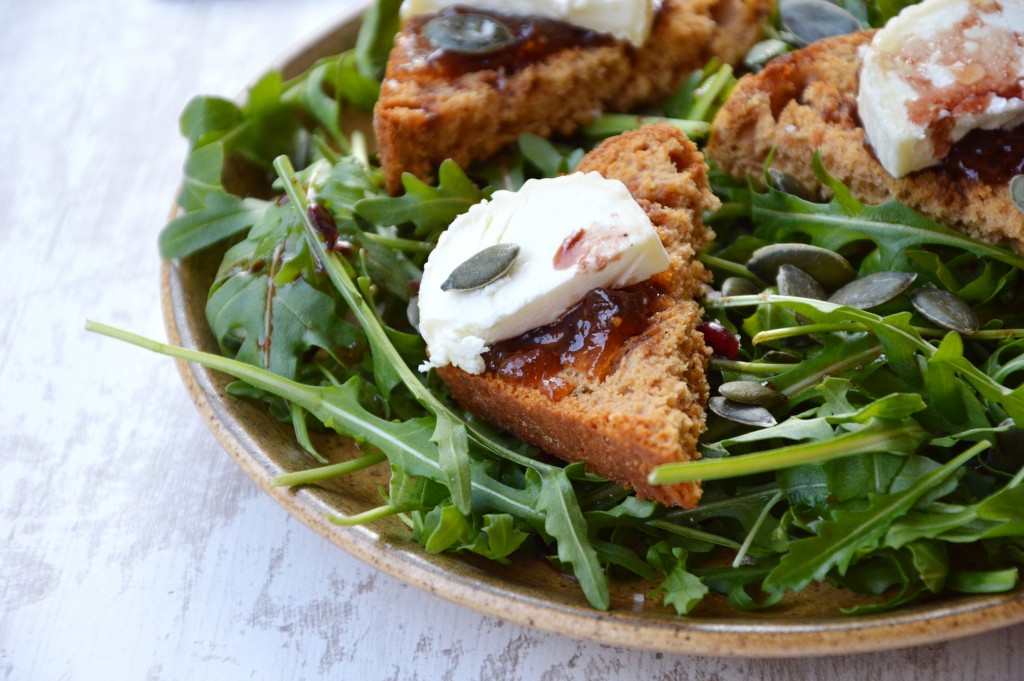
536, 38
585, 344
990, 156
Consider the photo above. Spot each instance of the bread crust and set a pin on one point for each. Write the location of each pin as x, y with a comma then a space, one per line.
807, 101
419, 122
649, 409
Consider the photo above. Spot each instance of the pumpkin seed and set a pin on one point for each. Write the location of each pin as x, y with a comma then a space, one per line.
873, 290
412, 312
945, 309
751, 392
488, 265
811, 20
828, 268
780, 357
782, 181
468, 33
793, 281
763, 52
1017, 191
747, 414
739, 286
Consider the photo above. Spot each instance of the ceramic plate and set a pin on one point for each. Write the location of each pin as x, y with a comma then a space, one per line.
528, 592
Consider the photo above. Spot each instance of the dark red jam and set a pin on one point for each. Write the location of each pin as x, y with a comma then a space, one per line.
536, 38
991, 156
589, 338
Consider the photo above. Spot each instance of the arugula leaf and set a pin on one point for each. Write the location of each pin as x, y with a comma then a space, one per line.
430, 209
850, 531
564, 521
893, 227
380, 24
681, 589
223, 216
453, 453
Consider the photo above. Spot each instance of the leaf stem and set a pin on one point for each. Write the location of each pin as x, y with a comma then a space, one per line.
398, 244
322, 473
754, 368
364, 517
879, 438
614, 124
755, 528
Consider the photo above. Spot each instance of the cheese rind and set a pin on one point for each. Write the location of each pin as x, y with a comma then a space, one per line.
625, 20
937, 71
576, 233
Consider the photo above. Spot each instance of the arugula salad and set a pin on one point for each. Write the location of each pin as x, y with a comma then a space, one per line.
873, 441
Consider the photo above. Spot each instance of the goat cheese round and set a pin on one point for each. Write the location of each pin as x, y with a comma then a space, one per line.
625, 20
575, 233
937, 71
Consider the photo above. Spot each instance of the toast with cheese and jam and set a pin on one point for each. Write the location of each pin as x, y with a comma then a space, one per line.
631, 395
437, 104
806, 101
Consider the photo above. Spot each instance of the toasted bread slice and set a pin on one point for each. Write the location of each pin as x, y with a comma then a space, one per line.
807, 101
431, 109
648, 409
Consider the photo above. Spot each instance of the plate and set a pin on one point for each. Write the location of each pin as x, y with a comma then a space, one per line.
527, 591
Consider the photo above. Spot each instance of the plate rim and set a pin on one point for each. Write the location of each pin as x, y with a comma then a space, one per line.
685, 635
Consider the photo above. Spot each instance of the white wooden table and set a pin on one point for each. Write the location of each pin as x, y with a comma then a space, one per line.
131, 547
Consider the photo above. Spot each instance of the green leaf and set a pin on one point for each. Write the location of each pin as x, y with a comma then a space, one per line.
850, 531
379, 26
430, 209
206, 119
498, 538
983, 582
543, 155
893, 227
564, 521
221, 218
202, 182
443, 527
681, 589
453, 452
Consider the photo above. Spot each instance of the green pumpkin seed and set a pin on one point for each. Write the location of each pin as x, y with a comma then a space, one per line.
412, 312
811, 20
488, 265
828, 268
468, 33
782, 181
747, 414
739, 286
763, 52
793, 281
1017, 191
751, 392
873, 290
945, 309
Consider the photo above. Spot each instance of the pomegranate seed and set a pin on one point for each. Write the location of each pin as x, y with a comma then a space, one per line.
720, 341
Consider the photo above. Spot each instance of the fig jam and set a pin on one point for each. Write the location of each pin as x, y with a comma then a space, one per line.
589, 338
536, 38
991, 156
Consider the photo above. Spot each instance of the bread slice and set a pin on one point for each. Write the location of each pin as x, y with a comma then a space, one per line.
428, 112
807, 101
649, 408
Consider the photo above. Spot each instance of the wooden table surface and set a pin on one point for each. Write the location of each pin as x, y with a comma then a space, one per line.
131, 546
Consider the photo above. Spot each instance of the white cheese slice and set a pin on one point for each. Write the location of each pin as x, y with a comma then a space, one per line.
625, 20
937, 71
576, 233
